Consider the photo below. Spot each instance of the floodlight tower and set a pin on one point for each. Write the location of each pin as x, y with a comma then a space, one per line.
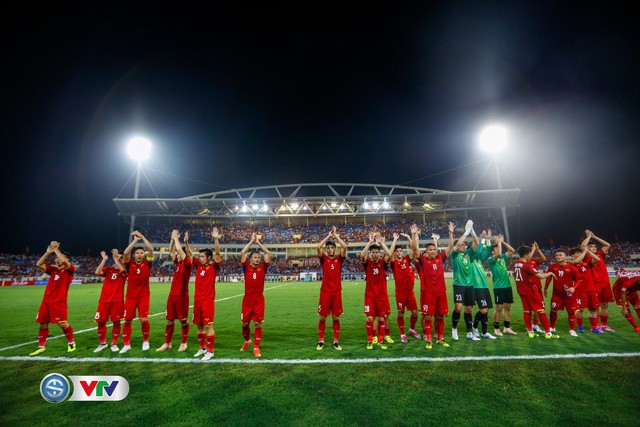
493, 139
139, 149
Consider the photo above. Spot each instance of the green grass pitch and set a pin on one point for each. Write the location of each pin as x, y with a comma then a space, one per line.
494, 392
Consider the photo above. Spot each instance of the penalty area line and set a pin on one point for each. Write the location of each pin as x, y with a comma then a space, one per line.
55, 337
313, 361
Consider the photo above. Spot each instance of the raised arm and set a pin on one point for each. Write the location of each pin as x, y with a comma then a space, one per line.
245, 250
578, 259
387, 253
100, 266
510, 249
56, 250
499, 242
365, 250
543, 258
605, 245
324, 241
449, 248
126, 255
215, 235
180, 253
343, 244
393, 243
42, 262
116, 259
146, 244
172, 245
413, 242
267, 254
187, 248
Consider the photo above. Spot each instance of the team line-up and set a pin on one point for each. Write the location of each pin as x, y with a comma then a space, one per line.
580, 282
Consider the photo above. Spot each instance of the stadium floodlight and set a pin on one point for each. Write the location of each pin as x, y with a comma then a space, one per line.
493, 138
139, 148
294, 206
254, 207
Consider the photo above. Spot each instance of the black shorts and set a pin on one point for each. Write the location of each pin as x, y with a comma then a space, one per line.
503, 295
463, 295
482, 297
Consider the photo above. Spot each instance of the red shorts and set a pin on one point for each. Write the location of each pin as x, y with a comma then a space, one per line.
532, 302
604, 291
561, 302
52, 312
131, 304
252, 309
406, 300
109, 310
376, 306
431, 304
330, 303
177, 307
204, 311
587, 299
632, 298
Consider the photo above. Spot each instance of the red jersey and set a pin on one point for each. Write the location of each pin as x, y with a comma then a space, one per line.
254, 277
524, 273
58, 283
205, 279
433, 273
585, 275
536, 263
566, 276
113, 286
627, 285
599, 269
138, 278
376, 283
331, 273
404, 275
181, 276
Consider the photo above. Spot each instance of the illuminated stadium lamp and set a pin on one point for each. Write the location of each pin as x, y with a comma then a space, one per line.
376, 205
493, 138
254, 207
265, 208
139, 148
294, 206
385, 205
334, 204
365, 205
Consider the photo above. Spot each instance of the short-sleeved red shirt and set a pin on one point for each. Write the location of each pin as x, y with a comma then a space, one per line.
331, 273
138, 278
404, 274
181, 276
58, 283
205, 279
254, 277
113, 286
433, 273
376, 283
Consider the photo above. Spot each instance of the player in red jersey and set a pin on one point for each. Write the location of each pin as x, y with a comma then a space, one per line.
433, 295
54, 302
255, 271
207, 266
111, 302
331, 290
587, 297
376, 297
625, 290
530, 295
601, 278
178, 300
565, 281
138, 272
536, 261
404, 281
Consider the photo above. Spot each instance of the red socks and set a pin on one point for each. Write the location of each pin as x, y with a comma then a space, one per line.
69, 334
369, 327
42, 337
211, 340
401, 324
146, 328
246, 333
202, 340
102, 333
527, 320
322, 326
440, 328
593, 321
604, 320
185, 333
126, 333
382, 328
168, 333
572, 321
629, 318
115, 333
336, 330
554, 317
257, 335
428, 324
412, 321
545, 322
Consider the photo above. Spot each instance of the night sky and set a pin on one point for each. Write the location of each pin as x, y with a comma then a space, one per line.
379, 93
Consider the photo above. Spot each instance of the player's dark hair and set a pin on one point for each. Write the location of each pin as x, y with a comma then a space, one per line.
495, 245
331, 243
253, 252
399, 247
66, 254
524, 250
207, 252
138, 247
374, 246
429, 244
575, 250
562, 250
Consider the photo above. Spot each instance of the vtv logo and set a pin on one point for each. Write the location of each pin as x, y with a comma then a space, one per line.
99, 388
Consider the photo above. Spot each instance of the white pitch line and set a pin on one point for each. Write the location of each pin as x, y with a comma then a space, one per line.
136, 318
313, 361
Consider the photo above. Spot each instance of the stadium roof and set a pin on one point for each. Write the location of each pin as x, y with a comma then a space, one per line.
318, 200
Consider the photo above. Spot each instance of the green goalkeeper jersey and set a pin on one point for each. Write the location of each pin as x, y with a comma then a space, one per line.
478, 274
461, 263
499, 271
